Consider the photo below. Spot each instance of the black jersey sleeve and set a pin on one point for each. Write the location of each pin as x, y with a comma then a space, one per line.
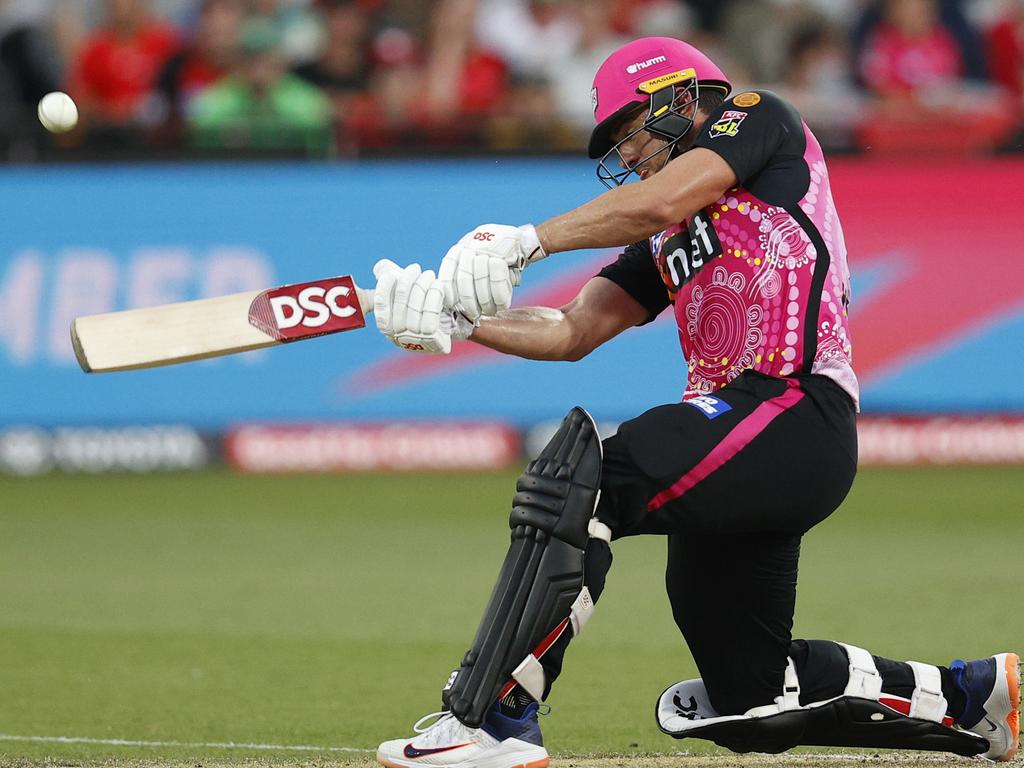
751, 128
636, 273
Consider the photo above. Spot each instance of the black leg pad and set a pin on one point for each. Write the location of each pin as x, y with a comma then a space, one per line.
542, 575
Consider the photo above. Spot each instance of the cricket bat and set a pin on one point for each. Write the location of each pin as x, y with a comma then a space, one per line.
224, 325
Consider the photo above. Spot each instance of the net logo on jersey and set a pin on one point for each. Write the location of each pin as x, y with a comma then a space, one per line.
682, 254
728, 124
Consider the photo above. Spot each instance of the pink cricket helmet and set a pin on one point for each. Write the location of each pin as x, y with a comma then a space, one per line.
616, 85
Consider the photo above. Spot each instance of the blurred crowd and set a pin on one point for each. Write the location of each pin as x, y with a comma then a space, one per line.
347, 77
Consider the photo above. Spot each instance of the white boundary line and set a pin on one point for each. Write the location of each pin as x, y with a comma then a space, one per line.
190, 744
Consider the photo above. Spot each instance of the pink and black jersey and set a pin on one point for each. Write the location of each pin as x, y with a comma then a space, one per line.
759, 279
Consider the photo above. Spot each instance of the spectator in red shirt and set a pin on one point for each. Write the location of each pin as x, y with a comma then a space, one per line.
926, 103
118, 64
1006, 50
910, 51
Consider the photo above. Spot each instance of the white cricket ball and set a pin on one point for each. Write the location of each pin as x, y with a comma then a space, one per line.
57, 112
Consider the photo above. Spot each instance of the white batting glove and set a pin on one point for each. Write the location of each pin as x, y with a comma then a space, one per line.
408, 305
479, 272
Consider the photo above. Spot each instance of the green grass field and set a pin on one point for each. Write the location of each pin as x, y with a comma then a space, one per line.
212, 608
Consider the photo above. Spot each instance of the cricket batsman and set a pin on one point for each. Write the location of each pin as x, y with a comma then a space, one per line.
732, 225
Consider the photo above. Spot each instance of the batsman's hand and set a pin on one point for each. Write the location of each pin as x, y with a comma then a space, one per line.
408, 305
479, 272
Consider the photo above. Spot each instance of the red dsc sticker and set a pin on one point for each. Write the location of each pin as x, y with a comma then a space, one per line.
305, 310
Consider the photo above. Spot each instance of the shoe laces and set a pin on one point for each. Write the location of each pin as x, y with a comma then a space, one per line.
437, 717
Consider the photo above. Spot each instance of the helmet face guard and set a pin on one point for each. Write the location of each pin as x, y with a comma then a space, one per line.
667, 118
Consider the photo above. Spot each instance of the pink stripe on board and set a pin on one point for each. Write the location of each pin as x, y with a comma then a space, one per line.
734, 442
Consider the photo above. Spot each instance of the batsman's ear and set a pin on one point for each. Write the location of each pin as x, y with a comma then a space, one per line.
384, 266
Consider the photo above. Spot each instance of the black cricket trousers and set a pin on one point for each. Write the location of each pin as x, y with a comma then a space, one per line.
733, 480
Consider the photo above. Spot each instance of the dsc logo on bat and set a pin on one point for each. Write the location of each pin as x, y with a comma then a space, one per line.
312, 306
300, 311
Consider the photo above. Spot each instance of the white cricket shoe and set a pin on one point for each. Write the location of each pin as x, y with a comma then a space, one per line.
501, 742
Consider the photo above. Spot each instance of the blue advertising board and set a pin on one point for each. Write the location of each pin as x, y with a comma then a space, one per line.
81, 240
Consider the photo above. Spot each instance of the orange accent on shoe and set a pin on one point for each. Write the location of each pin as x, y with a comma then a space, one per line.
1013, 719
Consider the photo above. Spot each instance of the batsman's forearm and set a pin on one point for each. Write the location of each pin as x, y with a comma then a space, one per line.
536, 333
633, 212
619, 217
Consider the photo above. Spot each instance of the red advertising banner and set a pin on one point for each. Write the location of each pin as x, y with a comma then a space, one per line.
907, 440
372, 447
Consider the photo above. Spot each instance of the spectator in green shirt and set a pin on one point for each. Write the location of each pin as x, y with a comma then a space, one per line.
261, 106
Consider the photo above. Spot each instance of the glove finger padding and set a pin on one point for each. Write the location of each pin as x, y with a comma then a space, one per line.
400, 306
482, 283
384, 266
465, 287
386, 272
423, 308
446, 275
430, 315
417, 296
500, 278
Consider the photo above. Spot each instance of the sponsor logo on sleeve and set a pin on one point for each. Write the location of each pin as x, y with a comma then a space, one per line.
748, 99
728, 124
710, 406
593, 98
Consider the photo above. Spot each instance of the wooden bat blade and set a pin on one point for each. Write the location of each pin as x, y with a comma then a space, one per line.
224, 325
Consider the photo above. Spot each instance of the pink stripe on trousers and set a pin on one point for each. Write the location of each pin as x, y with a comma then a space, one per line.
734, 442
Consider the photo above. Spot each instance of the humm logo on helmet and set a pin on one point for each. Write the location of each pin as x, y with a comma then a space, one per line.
638, 65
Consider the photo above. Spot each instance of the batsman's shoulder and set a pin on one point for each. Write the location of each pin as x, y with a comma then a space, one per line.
759, 101
755, 111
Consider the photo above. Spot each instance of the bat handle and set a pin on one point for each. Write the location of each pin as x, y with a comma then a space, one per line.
365, 296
